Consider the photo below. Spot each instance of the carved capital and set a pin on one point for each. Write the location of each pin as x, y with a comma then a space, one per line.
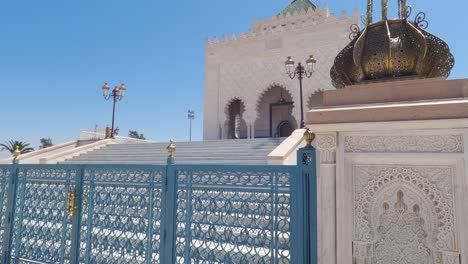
326, 145
326, 142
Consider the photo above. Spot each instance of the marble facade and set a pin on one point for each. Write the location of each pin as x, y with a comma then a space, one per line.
392, 191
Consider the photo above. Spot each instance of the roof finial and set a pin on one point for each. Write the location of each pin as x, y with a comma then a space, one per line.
370, 7
404, 9
384, 9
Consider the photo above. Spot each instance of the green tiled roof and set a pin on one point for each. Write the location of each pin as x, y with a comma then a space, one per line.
298, 5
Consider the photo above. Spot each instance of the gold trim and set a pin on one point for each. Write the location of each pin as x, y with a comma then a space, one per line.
16, 153
309, 137
171, 149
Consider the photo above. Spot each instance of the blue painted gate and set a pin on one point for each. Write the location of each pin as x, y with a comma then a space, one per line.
159, 214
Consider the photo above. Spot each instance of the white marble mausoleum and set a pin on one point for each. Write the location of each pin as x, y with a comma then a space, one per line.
246, 86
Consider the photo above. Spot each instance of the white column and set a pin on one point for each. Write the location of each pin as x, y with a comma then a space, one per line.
252, 134
326, 170
223, 131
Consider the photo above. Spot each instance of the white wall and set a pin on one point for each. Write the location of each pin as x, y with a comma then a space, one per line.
426, 160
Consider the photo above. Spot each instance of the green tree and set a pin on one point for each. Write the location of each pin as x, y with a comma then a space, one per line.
12, 144
135, 134
45, 143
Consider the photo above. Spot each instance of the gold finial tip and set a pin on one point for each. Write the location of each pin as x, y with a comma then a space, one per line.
309, 137
17, 152
171, 148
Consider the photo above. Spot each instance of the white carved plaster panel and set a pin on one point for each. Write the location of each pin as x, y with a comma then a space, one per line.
412, 143
326, 141
430, 188
326, 145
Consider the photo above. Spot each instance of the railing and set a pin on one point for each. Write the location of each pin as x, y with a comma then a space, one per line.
101, 134
159, 214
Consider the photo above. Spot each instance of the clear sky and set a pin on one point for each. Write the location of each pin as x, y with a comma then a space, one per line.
56, 54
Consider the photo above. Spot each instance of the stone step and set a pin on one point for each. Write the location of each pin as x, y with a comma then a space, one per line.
251, 151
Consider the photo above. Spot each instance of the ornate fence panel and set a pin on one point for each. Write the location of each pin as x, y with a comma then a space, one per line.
158, 214
41, 228
5, 174
121, 215
233, 214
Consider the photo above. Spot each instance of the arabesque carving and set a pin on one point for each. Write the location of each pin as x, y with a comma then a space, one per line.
429, 187
405, 144
326, 141
402, 237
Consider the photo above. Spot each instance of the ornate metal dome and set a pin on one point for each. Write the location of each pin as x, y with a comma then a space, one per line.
391, 49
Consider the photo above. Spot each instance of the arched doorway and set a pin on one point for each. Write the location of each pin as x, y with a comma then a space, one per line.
236, 126
284, 129
275, 113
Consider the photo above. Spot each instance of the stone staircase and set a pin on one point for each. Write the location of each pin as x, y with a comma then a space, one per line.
242, 151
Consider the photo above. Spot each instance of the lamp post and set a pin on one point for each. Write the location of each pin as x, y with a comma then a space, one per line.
292, 70
117, 94
191, 117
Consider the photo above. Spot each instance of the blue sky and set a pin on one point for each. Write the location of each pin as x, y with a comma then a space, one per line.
56, 54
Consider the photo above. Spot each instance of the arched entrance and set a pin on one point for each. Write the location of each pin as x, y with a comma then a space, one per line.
284, 129
236, 126
275, 113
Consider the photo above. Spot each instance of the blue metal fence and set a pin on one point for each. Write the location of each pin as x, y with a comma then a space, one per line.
159, 214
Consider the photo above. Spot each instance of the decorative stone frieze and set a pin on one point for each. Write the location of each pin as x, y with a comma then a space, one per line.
406, 211
405, 144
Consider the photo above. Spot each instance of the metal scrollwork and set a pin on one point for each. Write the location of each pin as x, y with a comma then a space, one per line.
364, 19
407, 12
232, 211
355, 31
220, 214
306, 159
85, 199
421, 21
4, 175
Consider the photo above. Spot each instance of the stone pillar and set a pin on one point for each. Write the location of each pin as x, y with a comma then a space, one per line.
223, 131
326, 145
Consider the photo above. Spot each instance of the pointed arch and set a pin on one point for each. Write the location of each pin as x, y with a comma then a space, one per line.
274, 107
235, 125
315, 99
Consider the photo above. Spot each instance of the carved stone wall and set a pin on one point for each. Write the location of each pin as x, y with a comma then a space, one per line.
404, 211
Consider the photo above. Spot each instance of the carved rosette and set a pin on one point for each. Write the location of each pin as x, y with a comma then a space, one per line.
327, 144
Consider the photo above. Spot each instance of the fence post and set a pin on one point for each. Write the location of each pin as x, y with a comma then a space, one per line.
304, 205
169, 210
10, 212
76, 217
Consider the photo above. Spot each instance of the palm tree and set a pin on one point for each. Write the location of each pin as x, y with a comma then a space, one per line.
11, 145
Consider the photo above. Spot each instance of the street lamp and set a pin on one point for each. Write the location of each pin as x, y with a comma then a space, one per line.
292, 70
191, 116
117, 94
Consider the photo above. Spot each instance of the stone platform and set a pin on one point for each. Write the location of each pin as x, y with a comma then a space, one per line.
425, 99
393, 150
